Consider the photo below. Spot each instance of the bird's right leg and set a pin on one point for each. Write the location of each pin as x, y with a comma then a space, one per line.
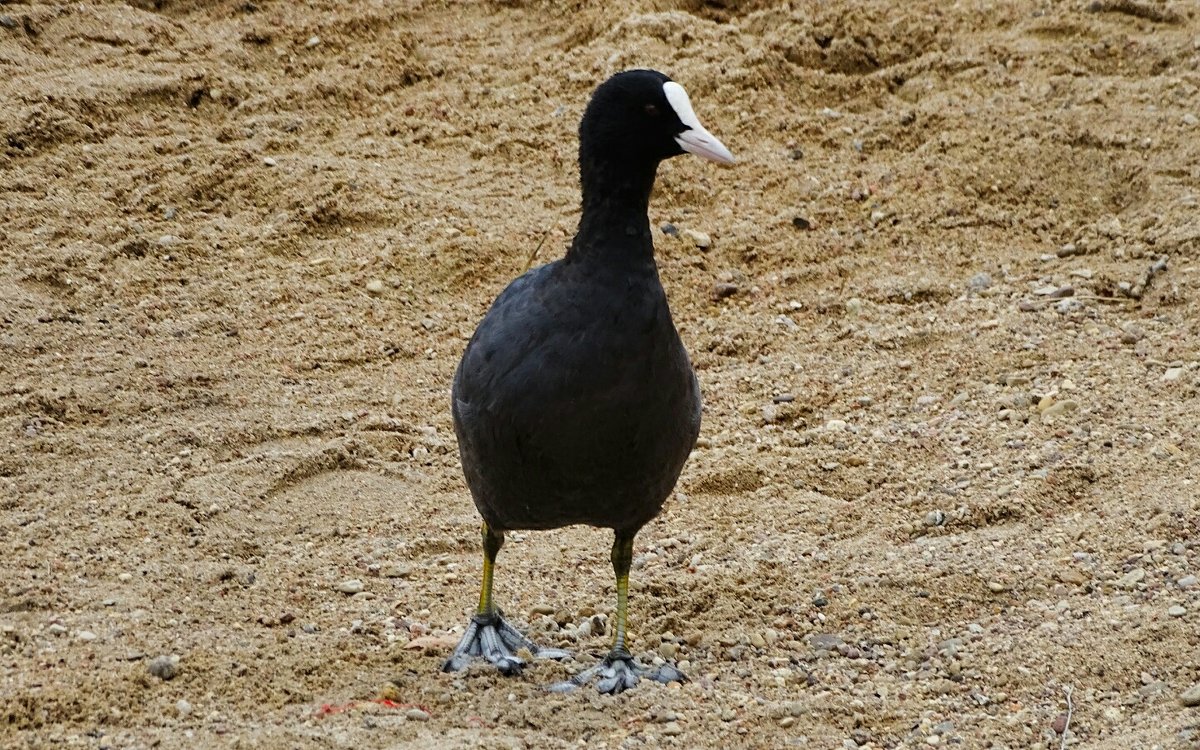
488, 635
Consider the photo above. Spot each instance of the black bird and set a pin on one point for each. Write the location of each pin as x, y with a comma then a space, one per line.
575, 401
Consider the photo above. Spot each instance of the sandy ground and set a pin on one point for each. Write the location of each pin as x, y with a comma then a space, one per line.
948, 470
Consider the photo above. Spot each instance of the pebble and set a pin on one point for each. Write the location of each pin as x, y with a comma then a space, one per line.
672, 729
1172, 374
85, 635
1132, 578
269, 161
1191, 696
787, 721
396, 570
313, 41
699, 239
1176, 610
56, 628
723, 289
825, 641
164, 667
935, 518
183, 708
351, 586
1187, 582
668, 650
979, 282
416, 714
801, 223
1059, 408
819, 599
375, 286
670, 230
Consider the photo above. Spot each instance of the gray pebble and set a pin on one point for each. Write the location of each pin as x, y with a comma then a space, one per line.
416, 714
1132, 578
1191, 696
979, 282
164, 667
350, 586
1187, 582
825, 641
935, 518
183, 708
1176, 610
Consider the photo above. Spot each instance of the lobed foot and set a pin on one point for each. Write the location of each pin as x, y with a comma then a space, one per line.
490, 637
617, 673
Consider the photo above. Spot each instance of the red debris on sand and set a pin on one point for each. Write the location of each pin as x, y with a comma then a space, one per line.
329, 709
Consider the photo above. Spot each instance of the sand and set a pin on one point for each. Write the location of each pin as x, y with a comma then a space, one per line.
946, 328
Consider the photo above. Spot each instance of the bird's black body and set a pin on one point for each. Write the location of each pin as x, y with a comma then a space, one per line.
575, 401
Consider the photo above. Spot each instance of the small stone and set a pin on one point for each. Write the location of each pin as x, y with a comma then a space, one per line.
727, 714
1131, 579
1059, 409
125, 577
933, 739
8, 22
1176, 610
416, 714
935, 518
375, 286
1172, 374
183, 708
164, 667
1190, 119
168, 240
672, 729
699, 239
56, 628
825, 641
1059, 725
396, 570
979, 282
819, 599
723, 289
85, 635
787, 722
1191, 696
351, 586
313, 41
541, 609
269, 161
757, 640
670, 230
996, 587
1187, 582
801, 223
668, 650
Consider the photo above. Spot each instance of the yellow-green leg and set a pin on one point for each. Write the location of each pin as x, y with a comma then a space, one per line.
488, 635
622, 560
619, 672
492, 542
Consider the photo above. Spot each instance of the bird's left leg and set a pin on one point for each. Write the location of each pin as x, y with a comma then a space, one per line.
618, 671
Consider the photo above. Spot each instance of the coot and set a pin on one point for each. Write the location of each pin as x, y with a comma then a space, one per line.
575, 401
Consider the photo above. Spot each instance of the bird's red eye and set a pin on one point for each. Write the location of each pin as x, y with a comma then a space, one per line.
652, 110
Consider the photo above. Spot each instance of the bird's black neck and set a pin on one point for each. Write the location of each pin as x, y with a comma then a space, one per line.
614, 227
